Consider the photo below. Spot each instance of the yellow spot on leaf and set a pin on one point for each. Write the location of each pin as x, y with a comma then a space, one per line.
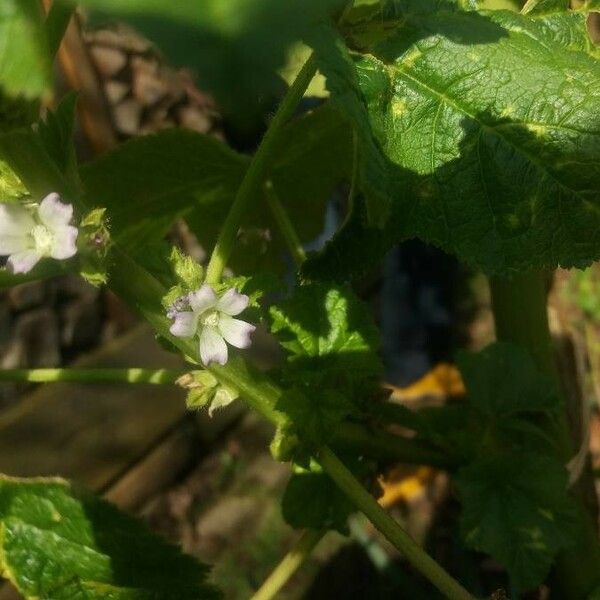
399, 107
411, 58
537, 130
508, 111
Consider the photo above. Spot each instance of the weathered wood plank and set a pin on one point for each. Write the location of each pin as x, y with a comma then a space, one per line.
92, 433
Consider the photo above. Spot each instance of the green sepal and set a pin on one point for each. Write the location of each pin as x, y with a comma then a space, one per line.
204, 390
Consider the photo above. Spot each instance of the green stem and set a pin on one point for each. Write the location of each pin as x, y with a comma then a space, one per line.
521, 316
57, 21
285, 225
141, 290
256, 173
133, 375
519, 306
361, 498
292, 561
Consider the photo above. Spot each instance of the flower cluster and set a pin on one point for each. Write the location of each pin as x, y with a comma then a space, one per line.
202, 313
27, 236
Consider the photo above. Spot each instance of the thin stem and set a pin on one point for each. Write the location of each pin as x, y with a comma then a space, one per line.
141, 290
361, 498
57, 21
292, 561
256, 172
153, 376
285, 225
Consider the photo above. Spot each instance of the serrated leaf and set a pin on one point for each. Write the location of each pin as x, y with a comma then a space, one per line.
489, 121
148, 182
343, 83
516, 508
56, 134
24, 57
330, 338
59, 542
313, 501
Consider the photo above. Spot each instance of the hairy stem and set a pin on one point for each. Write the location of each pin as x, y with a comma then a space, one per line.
256, 173
365, 502
521, 316
285, 225
292, 561
132, 375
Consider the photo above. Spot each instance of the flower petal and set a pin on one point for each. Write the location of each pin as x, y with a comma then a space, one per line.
22, 262
185, 325
15, 220
9, 244
212, 347
232, 302
236, 332
64, 242
53, 213
202, 299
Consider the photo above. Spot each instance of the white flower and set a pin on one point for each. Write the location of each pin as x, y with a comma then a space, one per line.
28, 236
211, 318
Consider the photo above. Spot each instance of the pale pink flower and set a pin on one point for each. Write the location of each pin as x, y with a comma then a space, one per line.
211, 319
27, 236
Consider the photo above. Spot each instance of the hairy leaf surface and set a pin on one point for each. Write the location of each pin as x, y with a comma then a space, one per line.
330, 337
490, 122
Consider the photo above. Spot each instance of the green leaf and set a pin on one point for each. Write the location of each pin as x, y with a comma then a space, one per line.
516, 508
56, 134
60, 542
331, 341
24, 58
148, 182
343, 83
312, 501
235, 46
489, 122
315, 414
320, 143
502, 381
11, 187
510, 405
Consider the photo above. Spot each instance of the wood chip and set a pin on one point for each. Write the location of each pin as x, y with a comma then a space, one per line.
127, 116
108, 61
148, 89
192, 118
115, 91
